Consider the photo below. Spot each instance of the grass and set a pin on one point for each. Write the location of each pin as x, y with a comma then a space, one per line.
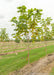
10, 63
12, 46
52, 71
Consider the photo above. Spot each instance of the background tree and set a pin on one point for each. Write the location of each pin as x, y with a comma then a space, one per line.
34, 20
3, 35
52, 32
45, 25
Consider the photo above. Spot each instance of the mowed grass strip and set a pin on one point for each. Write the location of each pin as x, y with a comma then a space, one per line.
6, 47
10, 63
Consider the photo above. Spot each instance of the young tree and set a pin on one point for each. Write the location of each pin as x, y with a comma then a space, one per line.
45, 23
26, 23
52, 32
3, 35
21, 25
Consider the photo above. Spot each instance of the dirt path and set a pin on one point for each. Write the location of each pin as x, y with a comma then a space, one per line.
41, 67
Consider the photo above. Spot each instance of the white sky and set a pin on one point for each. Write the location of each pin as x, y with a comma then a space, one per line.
8, 9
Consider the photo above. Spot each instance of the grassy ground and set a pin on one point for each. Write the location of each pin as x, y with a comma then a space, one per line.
12, 46
10, 63
52, 72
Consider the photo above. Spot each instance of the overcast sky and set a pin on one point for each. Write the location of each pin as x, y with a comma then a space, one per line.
8, 9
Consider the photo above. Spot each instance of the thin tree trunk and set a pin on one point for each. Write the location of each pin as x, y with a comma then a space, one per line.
28, 54
28, 48
46, 47
46, 42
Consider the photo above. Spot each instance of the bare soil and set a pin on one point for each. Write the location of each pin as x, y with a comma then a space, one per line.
41, 67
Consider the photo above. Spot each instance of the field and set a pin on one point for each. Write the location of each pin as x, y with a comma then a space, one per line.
14, 62
6, 47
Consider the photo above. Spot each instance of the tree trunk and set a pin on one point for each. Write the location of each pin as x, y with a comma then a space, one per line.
28, 54
46, 47
28, 48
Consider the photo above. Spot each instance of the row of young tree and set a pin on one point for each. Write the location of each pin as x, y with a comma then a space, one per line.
29, 25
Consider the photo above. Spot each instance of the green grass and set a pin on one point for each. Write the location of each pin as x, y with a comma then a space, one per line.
6, 47
52, 72
10, 63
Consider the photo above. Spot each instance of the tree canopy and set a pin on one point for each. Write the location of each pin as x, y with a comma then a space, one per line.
29, 23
